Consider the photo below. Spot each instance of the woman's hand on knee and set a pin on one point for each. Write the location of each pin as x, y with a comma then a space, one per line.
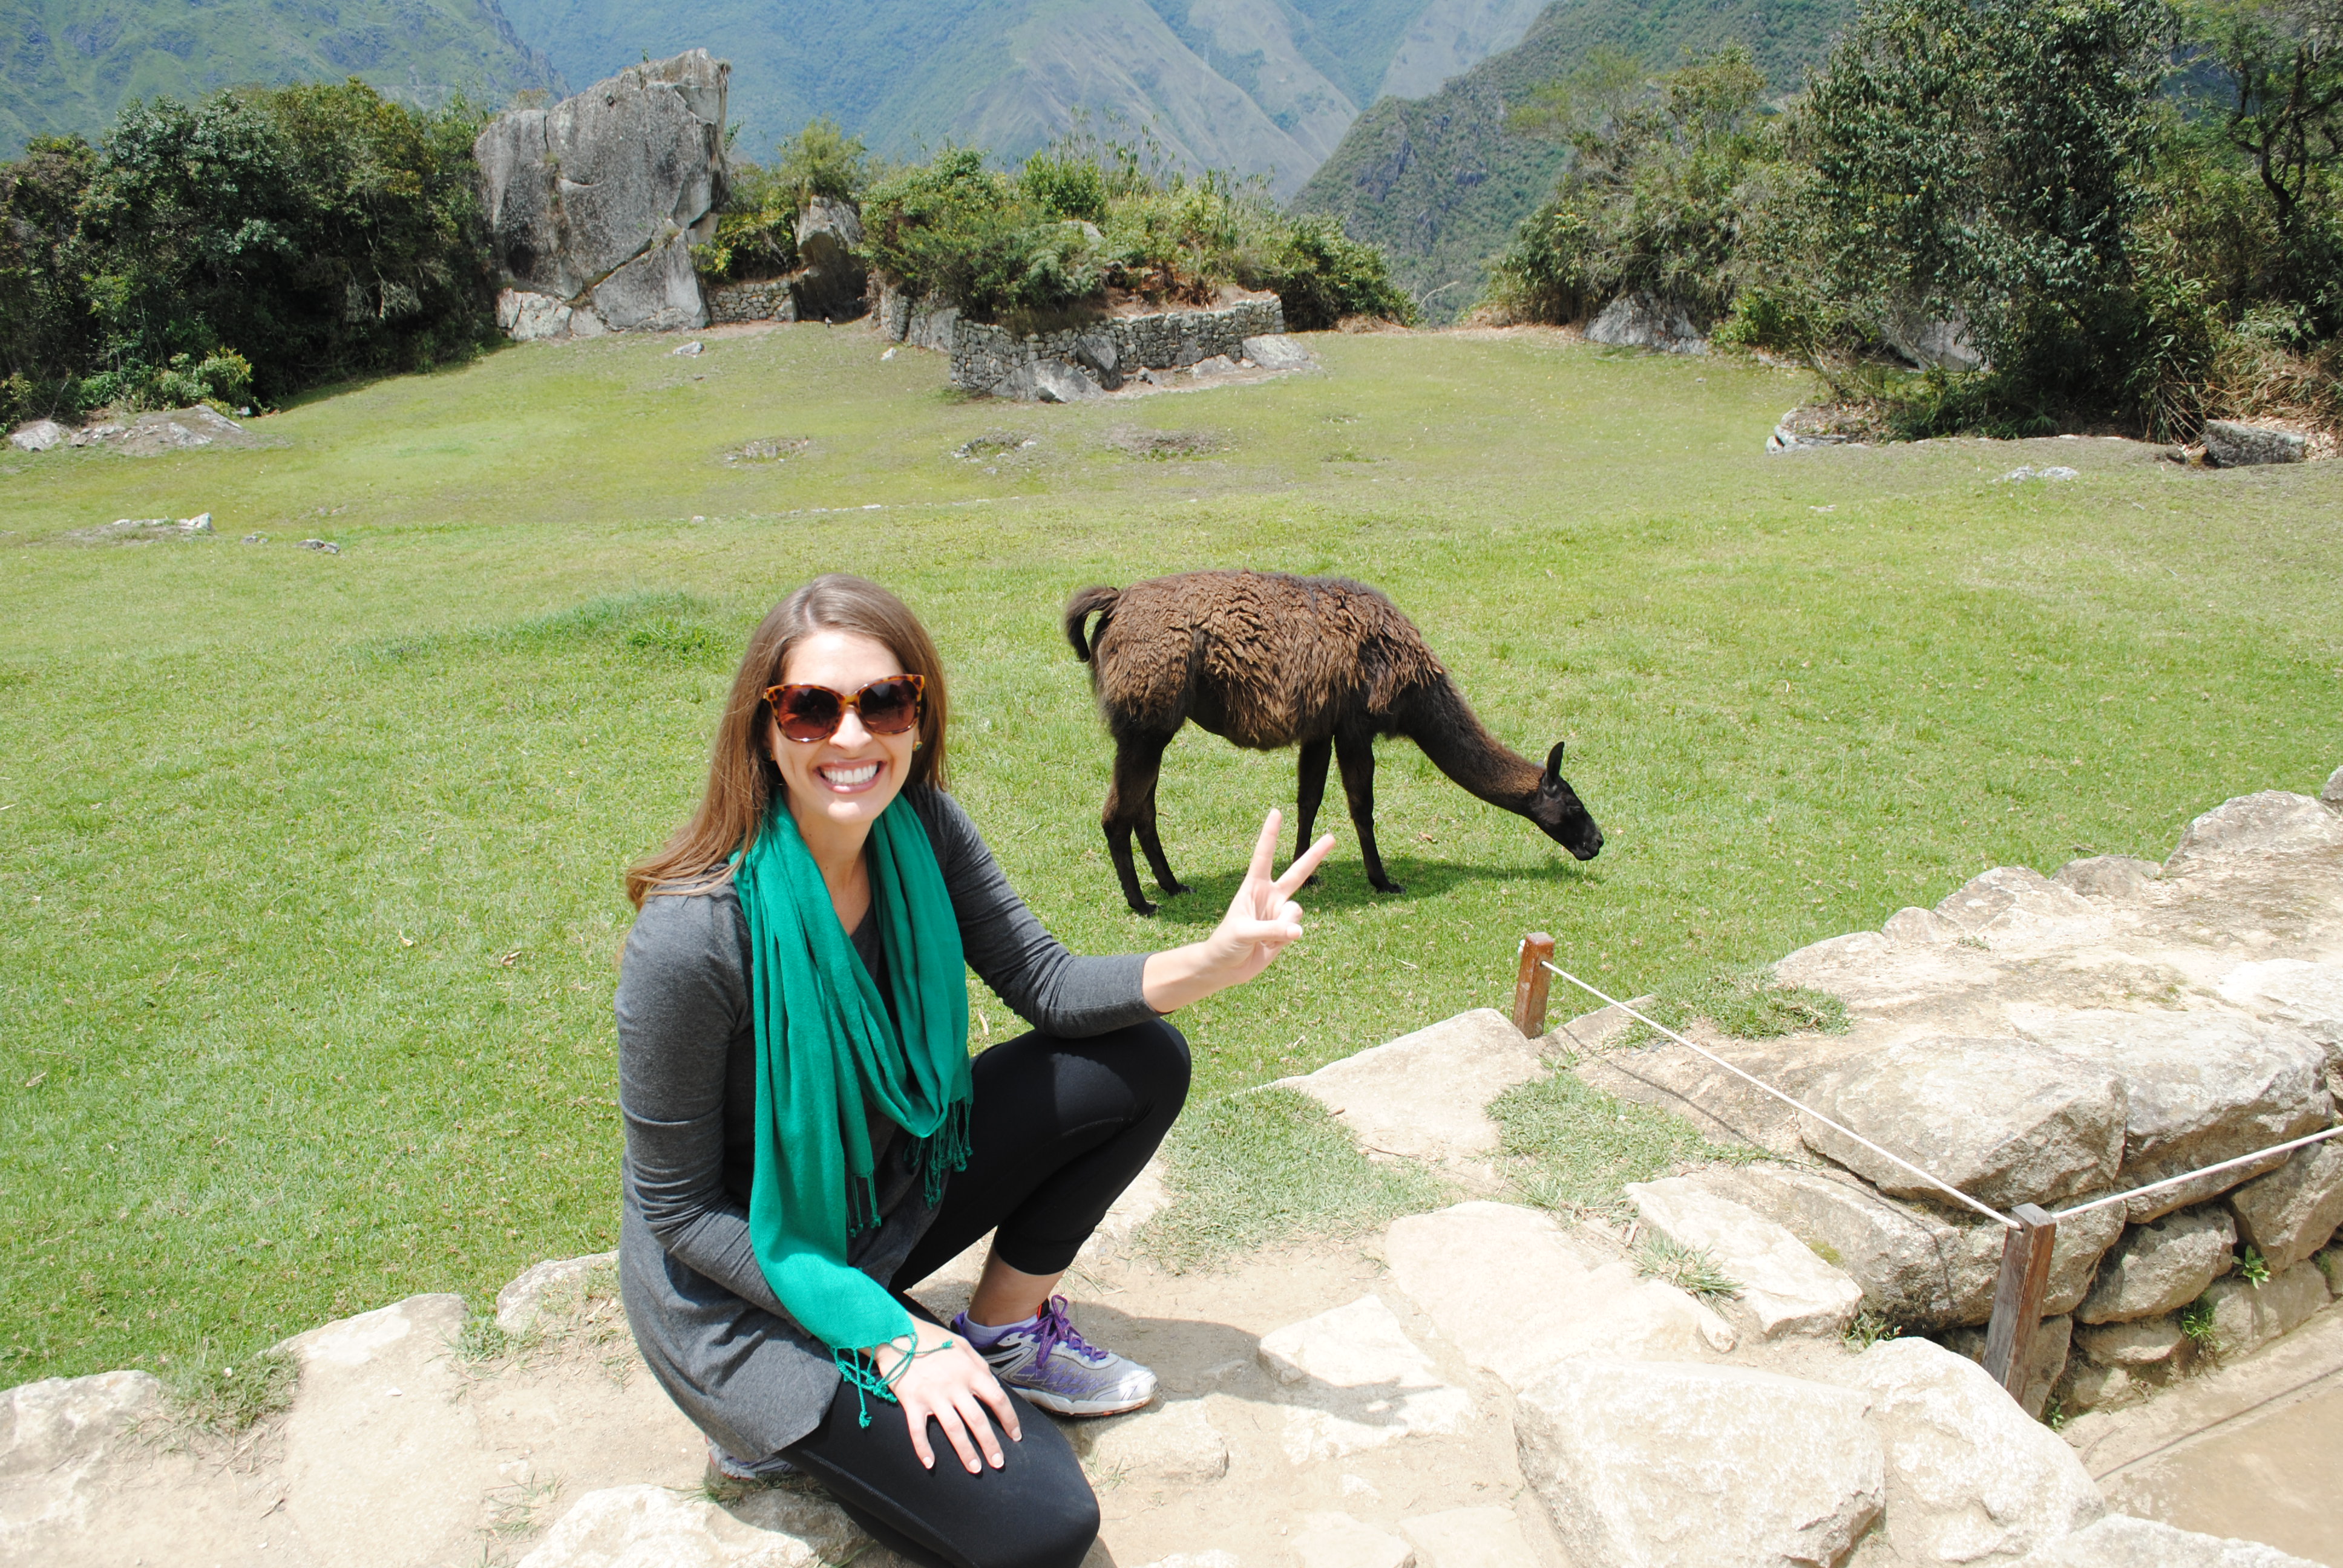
948, 1382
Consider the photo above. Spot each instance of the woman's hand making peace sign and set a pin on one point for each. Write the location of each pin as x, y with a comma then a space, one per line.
1262, 920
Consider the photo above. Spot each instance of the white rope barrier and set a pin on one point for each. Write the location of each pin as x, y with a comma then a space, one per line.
2191, 1176
1994, 1215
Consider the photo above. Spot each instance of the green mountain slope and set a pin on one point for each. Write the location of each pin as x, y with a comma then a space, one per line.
67, 65
1262, 86
1439, 183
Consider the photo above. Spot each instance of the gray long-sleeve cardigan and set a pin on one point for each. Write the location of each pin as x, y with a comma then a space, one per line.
707, 1321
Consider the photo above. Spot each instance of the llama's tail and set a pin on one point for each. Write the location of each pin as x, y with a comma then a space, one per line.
1091, 601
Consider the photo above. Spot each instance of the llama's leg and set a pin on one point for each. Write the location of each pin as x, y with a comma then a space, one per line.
1356, 756
1315, 755
1131, 807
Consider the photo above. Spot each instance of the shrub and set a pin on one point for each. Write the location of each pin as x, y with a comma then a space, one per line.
1652, 199
1083, 220
250, 245
756, 229
822, 161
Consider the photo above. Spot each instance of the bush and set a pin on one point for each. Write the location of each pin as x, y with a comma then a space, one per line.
822, 161
249, 246
1084, 221
1653, 199
756, 229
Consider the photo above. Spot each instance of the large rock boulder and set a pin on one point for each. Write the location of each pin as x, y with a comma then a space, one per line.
1517, 1294
2004, 1121
832, 281
2199, 1088
2161, 1266
2230, 445
1783, 1284
38, 436
593, 205
1655, 1464
1971, 1478
1640, 321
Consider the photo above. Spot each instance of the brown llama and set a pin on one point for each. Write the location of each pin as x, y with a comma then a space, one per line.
1266, 660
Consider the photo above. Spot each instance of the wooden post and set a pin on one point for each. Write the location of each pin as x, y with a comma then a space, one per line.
2017, 1297
1529, 986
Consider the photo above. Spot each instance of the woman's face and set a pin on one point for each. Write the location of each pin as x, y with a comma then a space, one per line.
845, 781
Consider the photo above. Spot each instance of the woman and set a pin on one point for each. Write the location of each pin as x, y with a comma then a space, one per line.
807, 1137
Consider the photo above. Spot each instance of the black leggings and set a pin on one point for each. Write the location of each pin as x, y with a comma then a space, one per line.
1058, 1129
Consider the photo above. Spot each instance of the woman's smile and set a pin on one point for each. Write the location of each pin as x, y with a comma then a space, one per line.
849, 778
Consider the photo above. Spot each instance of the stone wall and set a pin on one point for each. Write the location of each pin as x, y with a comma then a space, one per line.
1058, 367
772, 299
594, 204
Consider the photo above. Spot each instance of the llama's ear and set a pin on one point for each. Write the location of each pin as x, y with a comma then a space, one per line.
1554, 763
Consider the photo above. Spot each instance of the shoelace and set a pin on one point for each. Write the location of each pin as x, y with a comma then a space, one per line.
1056, 1329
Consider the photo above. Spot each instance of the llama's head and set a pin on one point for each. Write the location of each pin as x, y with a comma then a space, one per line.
1557, 810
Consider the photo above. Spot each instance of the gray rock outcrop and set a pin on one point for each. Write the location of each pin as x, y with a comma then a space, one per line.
1782, 1283
1640, 321
830, 279
1657, 1464
38, 436
2230, 445
594, 204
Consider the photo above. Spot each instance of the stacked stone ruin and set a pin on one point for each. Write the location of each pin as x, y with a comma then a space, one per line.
1077, 363
2053, 1039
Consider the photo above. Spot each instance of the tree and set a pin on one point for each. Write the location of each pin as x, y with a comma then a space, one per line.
1985, 162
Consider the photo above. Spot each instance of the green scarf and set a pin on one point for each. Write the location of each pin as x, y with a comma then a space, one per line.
825, 1040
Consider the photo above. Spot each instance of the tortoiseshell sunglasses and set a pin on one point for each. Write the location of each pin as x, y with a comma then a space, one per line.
811, 713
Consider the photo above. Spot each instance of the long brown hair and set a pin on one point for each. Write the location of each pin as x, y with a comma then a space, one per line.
743, 780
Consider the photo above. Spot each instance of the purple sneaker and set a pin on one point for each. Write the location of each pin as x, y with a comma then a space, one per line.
1044, 1359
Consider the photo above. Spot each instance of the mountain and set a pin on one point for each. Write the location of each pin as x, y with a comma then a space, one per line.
67, 65
1439, 183
1261, 86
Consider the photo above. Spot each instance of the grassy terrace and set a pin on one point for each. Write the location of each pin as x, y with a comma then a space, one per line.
311, 862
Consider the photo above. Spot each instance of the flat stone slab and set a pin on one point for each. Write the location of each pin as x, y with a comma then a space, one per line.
1655, 1464
1512, 1290
1424, 1095
1339, 1541
522, 1301
2120, 1541
1352, 1379
656, 1527
1469, 1538
1784, 1285
1173, 1444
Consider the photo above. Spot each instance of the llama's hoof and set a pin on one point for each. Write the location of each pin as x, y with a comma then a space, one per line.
1143, 908
1391, 888
1312, 879
1176, 888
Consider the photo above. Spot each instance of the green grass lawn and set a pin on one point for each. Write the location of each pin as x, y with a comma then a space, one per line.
311, 862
